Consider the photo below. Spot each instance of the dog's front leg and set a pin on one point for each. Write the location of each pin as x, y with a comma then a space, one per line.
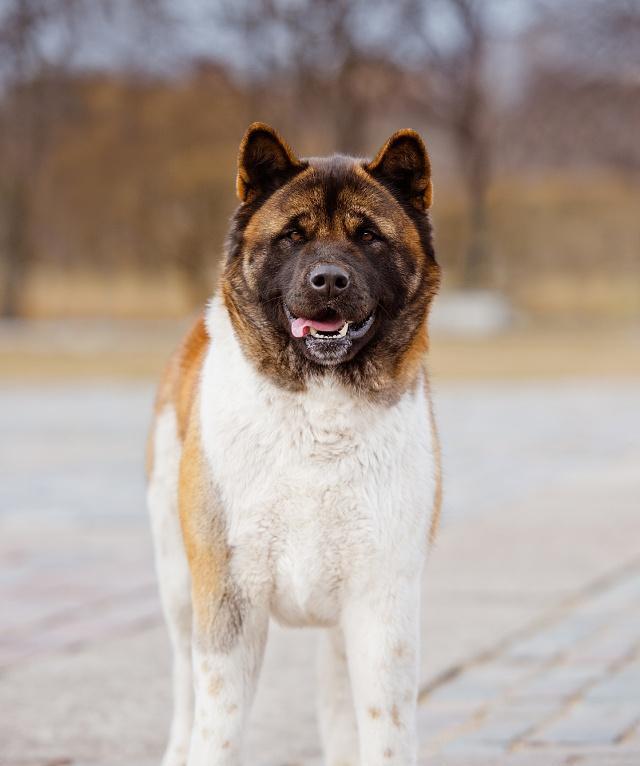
226, 664
381, 630
228, 638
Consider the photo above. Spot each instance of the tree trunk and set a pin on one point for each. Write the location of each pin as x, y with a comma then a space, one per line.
349, 113
16, 251
476, 267
474, 154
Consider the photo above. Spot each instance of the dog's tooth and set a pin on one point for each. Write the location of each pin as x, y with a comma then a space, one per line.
313, 331
343, 329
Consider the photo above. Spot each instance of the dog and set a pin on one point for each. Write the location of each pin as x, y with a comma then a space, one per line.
293, 464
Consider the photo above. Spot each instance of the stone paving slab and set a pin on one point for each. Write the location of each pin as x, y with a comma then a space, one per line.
115, 691
558, 704
541, 757
592, 724
531, 617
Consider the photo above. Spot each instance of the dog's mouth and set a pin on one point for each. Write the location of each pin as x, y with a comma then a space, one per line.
328, 338
328, 326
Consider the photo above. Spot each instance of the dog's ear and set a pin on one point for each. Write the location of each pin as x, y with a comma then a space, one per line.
265, 162
403, 166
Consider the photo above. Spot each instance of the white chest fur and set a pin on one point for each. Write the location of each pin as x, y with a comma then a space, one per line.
321, 491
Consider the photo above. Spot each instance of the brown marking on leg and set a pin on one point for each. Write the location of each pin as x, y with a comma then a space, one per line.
374, 712
388, 753
232, 709
400, 650
215, 685
395, 717
226, 744
218, 607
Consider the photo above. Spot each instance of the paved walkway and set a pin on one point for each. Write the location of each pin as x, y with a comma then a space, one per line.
566, 693
531, 609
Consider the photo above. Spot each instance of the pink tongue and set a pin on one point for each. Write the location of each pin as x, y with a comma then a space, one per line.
300, 326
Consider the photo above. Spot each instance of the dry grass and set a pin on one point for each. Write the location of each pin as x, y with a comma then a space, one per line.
561, 247
539, 354
124, 294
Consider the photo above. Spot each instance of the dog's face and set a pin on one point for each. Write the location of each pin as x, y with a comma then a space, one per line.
330, 263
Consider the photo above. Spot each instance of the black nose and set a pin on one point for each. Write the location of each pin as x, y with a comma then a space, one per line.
328, 280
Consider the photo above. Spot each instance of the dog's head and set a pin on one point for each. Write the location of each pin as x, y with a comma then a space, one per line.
330, 264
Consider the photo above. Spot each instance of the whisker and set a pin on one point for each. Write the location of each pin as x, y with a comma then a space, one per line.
271, 300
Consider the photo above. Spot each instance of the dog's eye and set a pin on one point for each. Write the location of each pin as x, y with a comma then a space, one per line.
295, 235
367, 236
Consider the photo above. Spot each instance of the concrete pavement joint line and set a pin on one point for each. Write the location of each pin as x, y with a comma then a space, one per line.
60, 617
568, 703
550, 617
118, 623
628, 734
527, 737
519, 742
450, 733
73, 645
475, 722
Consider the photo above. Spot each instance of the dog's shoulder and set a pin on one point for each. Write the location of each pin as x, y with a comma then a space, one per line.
178, 385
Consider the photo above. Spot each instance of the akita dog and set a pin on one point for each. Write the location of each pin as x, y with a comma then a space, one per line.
293, 462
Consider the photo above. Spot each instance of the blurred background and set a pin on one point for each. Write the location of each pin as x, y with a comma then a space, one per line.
119, 127
120, 121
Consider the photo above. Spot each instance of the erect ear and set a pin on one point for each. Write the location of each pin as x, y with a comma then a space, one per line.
265, 162
403, 164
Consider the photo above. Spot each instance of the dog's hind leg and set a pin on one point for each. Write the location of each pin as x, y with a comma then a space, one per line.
173, 579
336, 713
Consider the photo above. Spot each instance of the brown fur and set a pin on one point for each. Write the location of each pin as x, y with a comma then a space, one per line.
217, 606
256, 145
422, 197
178, 383
180, 380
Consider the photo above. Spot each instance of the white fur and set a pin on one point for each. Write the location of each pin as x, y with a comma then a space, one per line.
327, 503
173, 577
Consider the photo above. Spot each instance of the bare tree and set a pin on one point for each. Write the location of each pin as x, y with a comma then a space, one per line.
581, 104
317, 47
448, 84
31, 71
21, 24
28, 80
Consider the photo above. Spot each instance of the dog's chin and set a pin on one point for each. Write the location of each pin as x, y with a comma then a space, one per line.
330, 349
328, 353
